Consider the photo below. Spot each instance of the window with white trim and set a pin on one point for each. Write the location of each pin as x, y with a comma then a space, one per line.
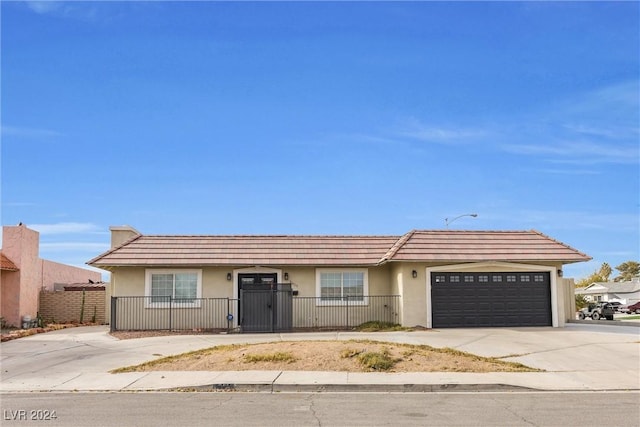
181, 288
336, 286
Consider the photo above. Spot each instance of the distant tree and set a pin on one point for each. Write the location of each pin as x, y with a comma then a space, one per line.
628, 270
600, 275
605, 271
581, 302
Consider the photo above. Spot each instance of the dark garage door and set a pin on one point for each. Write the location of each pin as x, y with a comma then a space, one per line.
490, 299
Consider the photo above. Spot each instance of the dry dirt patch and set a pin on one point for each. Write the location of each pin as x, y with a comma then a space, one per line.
344, 356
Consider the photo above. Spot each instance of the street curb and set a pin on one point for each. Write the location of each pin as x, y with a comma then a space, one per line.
605, 322
351, 388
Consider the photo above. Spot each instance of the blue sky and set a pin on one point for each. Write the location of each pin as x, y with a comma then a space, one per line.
321, 118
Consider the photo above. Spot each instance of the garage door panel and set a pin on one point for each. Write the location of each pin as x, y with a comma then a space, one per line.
490, 299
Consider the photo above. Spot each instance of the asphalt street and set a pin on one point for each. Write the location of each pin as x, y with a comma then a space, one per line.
511, 409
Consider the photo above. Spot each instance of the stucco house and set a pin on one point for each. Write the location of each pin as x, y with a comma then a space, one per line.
623, 292
439, 278
23, 274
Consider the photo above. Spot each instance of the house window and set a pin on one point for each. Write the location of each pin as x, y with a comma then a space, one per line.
468, 279
496, 278
454, 279
511, 278
181, 288
440, 279
524, 278
339, 286
538, 278
483, 278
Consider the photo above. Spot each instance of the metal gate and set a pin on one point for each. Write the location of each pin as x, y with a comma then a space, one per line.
265, 306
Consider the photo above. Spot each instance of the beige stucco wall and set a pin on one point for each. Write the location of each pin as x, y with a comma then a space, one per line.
121, 234
568, 300
397, 288
395, 278
413, 291
130, 281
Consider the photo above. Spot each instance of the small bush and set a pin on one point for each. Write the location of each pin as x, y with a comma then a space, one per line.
375, 361
270, 357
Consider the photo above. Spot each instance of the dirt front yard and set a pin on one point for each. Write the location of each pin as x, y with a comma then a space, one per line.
349, 356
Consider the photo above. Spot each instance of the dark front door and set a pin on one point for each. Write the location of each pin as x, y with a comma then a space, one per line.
257, 302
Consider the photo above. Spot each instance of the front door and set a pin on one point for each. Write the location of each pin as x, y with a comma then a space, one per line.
257, 302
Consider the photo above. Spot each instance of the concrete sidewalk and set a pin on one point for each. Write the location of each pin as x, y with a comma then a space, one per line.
578, 357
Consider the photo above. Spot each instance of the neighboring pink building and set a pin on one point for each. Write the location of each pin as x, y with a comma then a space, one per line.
23, 274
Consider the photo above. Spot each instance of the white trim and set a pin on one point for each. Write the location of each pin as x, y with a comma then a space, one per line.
497, 267
365, 287
147, 287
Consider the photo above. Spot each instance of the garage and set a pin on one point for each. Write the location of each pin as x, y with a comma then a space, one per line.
465, 299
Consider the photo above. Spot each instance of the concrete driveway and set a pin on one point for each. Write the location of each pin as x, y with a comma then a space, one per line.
578, 357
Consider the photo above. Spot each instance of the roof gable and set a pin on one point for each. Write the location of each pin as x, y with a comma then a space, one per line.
616, 287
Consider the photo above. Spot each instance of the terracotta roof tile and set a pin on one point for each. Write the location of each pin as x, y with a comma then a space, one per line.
249, 250
475, 246
417, 245
6, 264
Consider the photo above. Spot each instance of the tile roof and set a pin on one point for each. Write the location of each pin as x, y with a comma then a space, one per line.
417, 245
248, 250
6, 264
475, 246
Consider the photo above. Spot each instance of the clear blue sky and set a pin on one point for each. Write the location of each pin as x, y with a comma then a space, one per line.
321, 118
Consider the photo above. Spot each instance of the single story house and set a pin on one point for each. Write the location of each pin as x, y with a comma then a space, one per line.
23, 274
623, 292
439, 278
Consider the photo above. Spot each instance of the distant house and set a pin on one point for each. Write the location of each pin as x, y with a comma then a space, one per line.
623, 292
23, 274
441, 278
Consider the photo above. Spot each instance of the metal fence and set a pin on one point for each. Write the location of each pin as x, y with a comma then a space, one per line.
226, 314
344, 313
166, 313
